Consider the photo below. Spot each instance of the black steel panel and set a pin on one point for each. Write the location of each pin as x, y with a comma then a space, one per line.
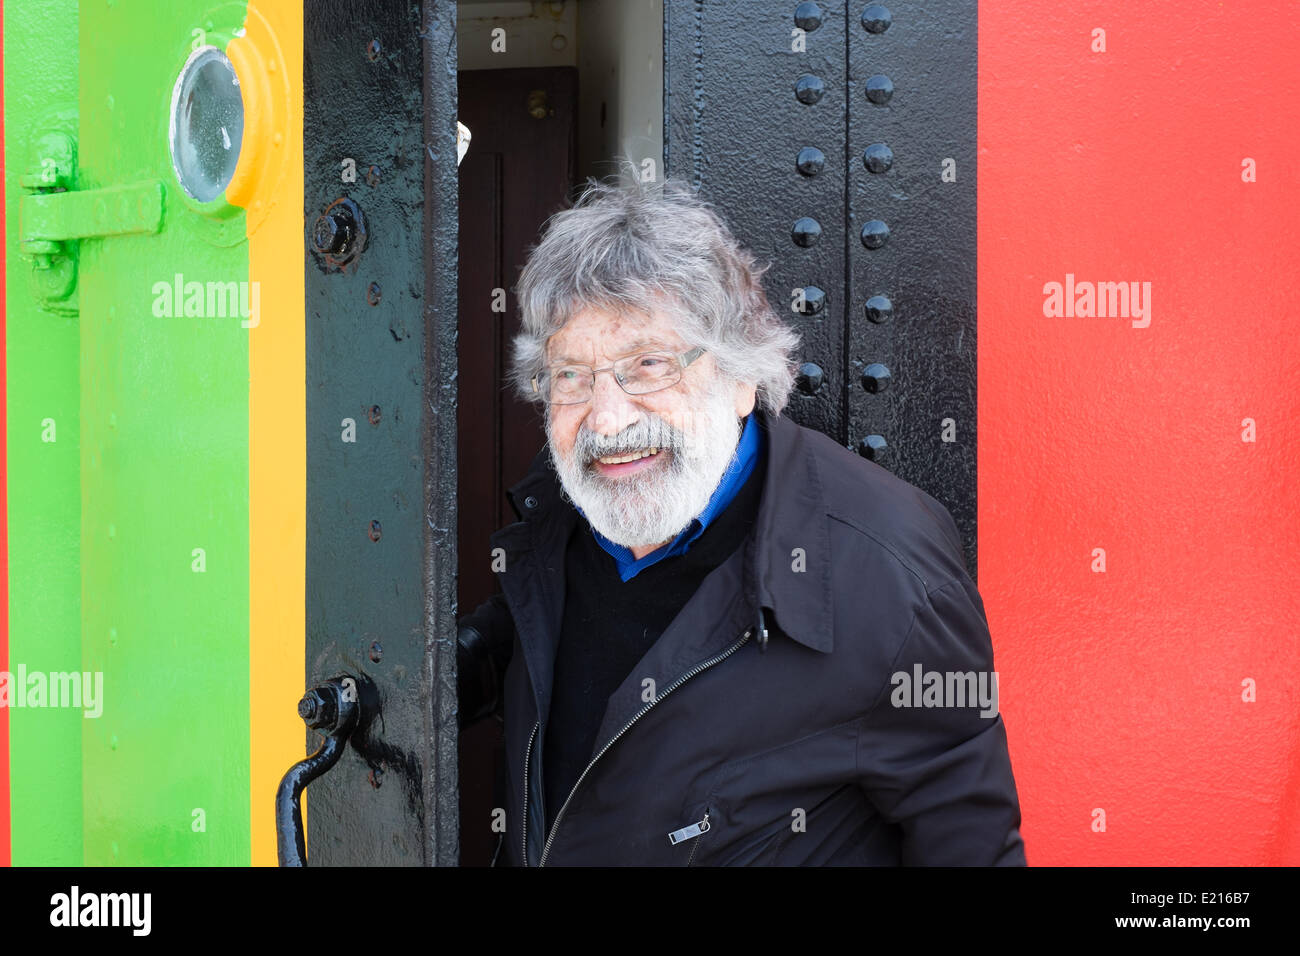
897, 97
734, 127
379, 88
926, 268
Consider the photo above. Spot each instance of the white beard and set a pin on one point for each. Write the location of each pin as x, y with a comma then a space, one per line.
653, 506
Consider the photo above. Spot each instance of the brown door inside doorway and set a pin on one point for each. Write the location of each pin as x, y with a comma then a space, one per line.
520, 167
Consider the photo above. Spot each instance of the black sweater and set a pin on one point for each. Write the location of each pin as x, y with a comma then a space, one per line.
609, 626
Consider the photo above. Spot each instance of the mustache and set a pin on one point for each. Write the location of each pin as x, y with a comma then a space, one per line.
652, 432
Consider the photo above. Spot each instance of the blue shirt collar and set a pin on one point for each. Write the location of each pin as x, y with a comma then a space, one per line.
737, 472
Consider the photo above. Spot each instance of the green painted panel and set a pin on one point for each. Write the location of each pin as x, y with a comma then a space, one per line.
41, 354
164, 463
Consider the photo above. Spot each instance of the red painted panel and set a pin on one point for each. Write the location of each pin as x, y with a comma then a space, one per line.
1123, 690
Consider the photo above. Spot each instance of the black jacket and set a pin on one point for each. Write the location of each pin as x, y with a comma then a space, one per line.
778, 733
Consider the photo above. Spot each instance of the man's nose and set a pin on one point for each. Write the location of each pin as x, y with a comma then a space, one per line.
612, 409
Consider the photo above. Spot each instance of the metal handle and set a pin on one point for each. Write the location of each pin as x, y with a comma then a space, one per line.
333, 708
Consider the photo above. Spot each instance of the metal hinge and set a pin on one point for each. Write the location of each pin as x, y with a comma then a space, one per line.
53, 216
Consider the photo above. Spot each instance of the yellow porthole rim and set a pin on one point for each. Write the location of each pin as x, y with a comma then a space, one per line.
271, 128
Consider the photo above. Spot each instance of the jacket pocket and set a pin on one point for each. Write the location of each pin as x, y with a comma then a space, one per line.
732, 846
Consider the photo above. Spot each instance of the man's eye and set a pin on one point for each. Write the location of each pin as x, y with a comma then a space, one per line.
566, 375
650, 361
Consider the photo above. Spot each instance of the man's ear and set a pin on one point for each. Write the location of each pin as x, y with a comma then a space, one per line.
746, 395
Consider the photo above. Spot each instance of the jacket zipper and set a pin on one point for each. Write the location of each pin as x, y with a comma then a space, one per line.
704, 828
635, 717
527, 757
692, 832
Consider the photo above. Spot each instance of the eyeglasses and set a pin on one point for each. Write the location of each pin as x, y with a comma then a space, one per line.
636, 374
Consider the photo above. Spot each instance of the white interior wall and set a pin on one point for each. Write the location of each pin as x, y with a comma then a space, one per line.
537, 33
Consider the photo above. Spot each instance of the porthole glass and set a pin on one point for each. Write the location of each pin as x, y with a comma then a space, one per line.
207, 124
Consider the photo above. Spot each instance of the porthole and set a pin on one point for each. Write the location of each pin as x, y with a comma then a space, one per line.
207, 124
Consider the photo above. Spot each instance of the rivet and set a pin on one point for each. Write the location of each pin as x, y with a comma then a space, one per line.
810, 378
277, 139
376, 652
809, 89
808, 16
374, 293
112, 742
375, 531
806, 231
376, 777
810, 161
372, 49
876, 18
530, 502
874, 234
879, 89
872, 447
373, 176
374, 414
814, 300
875, 378
112, 637
877, 158
879, 308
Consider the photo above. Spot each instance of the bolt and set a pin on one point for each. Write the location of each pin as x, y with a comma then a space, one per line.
875, 378
874, 234
309, 707
376, 652
810, 161
319, 707
878, 158
878, 308
810, 378
332, 234
805, 232
375, 531
879, 89
808, 89
876, 18
872, 447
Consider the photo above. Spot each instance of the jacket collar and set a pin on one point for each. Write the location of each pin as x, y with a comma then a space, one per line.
786, 564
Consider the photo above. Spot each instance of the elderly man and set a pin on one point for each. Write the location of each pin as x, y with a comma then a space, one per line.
724, 638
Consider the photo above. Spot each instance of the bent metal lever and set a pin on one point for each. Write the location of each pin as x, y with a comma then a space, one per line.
331, 708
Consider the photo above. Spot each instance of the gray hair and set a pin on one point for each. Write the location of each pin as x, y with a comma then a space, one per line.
629, 247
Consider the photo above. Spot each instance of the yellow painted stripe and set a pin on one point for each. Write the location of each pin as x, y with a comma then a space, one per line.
268, 185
